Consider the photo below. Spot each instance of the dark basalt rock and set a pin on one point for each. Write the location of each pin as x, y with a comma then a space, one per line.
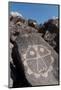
27, 33
19, 28
19, 79
33, 40
51, 33
32, 23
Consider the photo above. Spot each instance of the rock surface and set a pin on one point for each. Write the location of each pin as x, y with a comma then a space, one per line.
33, 52
46, 76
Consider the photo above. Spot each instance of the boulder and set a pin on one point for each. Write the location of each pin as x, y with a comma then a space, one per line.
37, 60
32, 23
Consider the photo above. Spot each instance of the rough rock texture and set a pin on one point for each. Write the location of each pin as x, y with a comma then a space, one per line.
22, 44
51, 34
16, 26
33, 52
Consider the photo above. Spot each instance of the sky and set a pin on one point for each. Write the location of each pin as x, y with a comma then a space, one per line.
38, 12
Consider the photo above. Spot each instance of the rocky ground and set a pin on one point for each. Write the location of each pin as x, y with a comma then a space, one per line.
28, 33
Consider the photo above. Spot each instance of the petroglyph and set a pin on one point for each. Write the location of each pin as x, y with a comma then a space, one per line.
38, 60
